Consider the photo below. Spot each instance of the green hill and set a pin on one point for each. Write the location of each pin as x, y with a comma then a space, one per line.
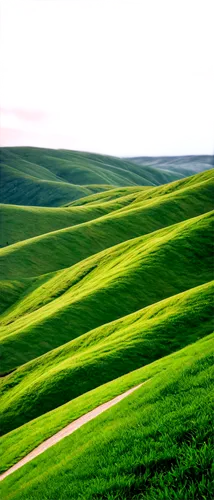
48, 177
67, 304
19, 223
104, 354
140, 214
148, 443
110, 289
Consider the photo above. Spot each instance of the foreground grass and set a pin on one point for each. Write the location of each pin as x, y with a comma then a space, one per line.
104, 354
155, 444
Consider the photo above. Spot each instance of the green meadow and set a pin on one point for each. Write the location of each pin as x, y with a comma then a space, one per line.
107, 282
156, 444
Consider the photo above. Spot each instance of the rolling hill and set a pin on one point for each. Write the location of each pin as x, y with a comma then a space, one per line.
47, 177
141, 213
105, 354
54, 307
106, 283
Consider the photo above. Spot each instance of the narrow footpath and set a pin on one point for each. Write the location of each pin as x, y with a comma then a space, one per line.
66, 431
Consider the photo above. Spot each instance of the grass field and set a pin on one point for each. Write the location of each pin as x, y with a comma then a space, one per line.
104, 354
157, 443
99, 288
106, 282
65, 247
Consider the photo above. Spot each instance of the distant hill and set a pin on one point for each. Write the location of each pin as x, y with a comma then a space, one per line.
186, 165
48, 177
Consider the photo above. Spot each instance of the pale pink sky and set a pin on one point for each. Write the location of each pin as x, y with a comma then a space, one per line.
124, 77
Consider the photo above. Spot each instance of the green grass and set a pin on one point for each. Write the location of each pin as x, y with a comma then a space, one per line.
97, 290
45, 177
26, 189
104, 354
20, 223
32, 176
65, 247
10, 291
122, 194
109, 290
145, 192
157, 443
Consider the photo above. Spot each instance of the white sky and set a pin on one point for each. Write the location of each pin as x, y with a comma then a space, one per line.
124, 77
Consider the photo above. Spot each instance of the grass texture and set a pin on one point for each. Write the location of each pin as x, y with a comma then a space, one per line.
106, 282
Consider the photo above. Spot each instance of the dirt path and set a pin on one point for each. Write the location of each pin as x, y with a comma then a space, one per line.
69, 429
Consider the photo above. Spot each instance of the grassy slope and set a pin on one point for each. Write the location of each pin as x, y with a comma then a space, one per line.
91, 168
44, 177
32, 176
139, 215
10, 291
19, 223
146, 192
111, 310
22, 440
26, 189
157, 442
124, 194
104, 354
97, 290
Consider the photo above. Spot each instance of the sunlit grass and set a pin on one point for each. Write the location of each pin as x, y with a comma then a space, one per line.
108, 291
156, 443
104, 354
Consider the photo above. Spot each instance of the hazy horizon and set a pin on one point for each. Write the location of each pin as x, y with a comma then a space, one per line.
106, 153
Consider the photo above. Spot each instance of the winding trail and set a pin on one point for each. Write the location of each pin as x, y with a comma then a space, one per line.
69, 429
